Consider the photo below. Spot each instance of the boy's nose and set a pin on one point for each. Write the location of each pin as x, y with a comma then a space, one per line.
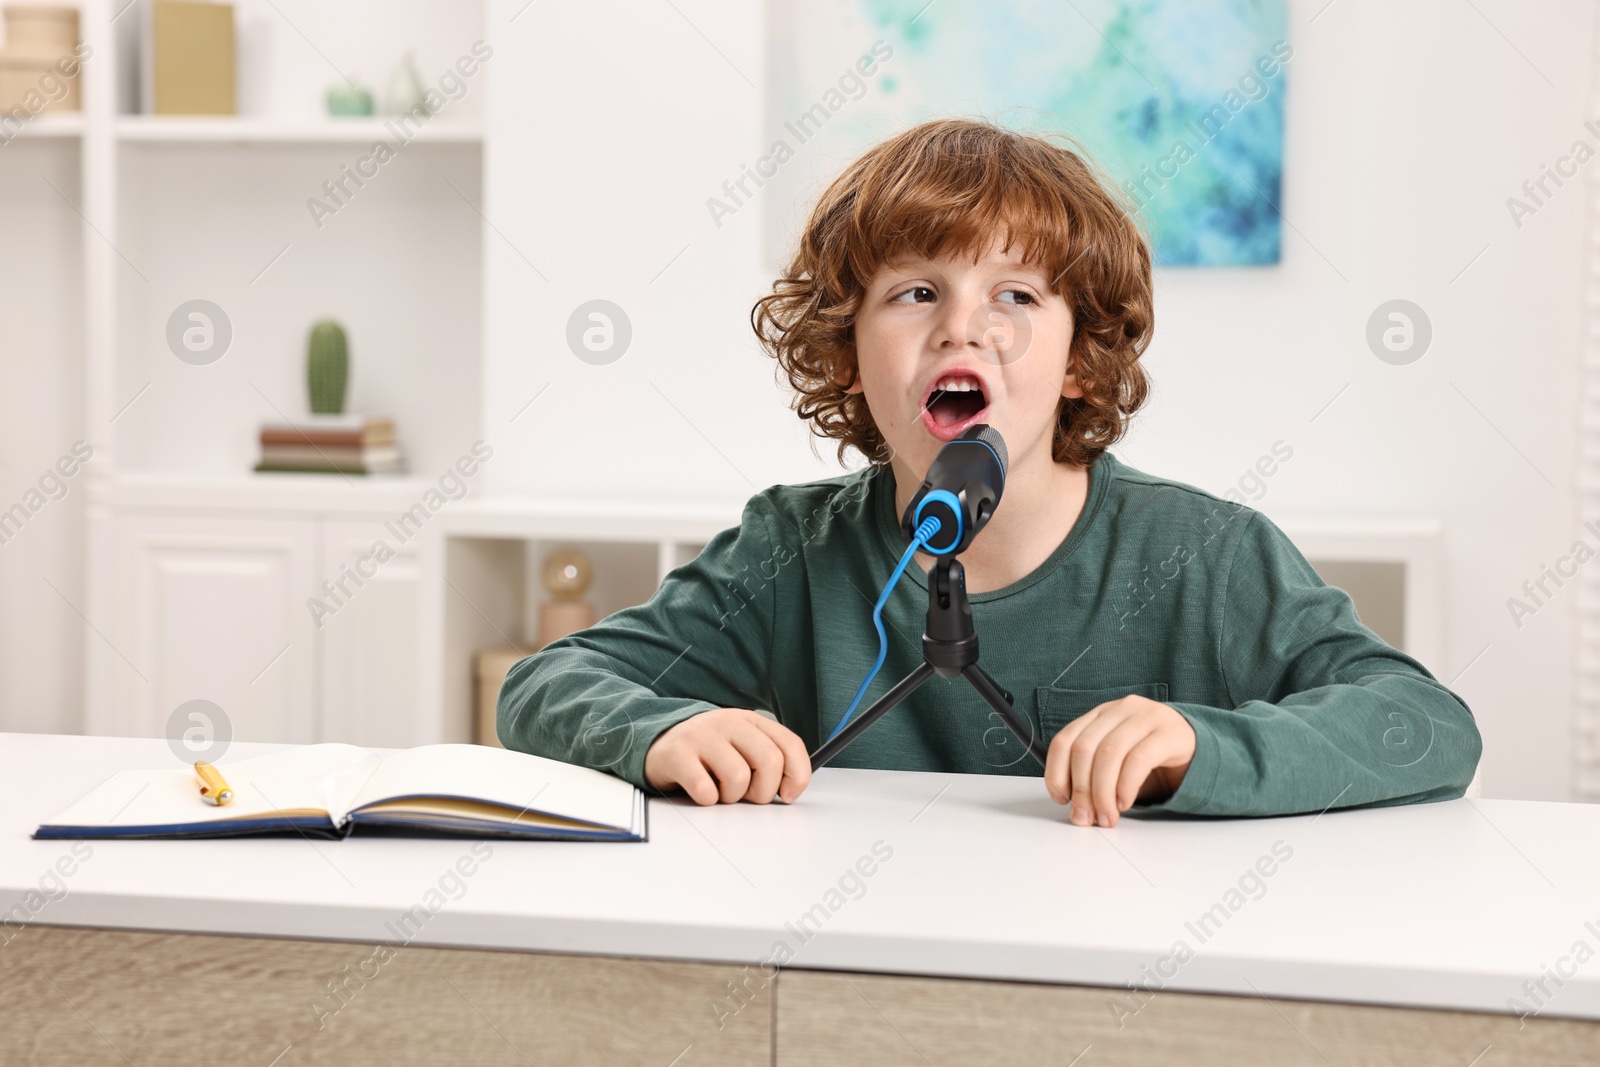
961, 323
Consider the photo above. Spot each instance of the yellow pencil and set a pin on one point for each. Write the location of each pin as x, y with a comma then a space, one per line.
214, 789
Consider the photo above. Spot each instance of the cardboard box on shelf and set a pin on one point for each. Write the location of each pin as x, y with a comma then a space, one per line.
189, 59
492, 667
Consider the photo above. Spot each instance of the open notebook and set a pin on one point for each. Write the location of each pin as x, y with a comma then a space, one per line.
328, 790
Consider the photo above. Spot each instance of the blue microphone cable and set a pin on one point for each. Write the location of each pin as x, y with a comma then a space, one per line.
925, 532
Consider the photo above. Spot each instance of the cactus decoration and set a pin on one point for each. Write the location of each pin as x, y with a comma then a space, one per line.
327, 367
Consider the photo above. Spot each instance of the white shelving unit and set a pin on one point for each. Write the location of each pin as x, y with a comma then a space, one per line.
202, 577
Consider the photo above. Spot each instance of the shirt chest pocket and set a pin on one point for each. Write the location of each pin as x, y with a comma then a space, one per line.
1057, 707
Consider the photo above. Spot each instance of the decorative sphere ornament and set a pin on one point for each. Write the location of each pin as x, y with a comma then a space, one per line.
567, 573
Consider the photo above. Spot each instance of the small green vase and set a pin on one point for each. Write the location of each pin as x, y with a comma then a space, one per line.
327, 367
349, 100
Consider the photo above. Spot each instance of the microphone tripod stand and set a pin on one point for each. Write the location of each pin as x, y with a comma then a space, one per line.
949, 648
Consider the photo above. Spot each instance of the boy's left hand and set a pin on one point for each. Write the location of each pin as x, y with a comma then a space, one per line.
1116, 754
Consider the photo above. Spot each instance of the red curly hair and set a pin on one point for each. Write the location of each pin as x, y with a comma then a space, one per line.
945, 188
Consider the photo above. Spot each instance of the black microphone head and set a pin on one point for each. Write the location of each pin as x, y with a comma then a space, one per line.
962, 489
991, 437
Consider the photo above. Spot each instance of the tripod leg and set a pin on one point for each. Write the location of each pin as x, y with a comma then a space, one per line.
902, 689
996, 698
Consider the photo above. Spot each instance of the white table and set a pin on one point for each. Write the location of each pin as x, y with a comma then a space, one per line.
1444, 906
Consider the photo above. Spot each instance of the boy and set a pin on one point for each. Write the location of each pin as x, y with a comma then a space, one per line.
1176, 648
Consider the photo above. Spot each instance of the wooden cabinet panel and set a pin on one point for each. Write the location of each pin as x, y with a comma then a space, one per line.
118, 997
828, 1018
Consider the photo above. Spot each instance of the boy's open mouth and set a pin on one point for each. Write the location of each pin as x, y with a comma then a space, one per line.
956, 400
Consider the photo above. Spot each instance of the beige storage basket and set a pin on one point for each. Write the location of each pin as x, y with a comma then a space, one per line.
25, 74
37, 35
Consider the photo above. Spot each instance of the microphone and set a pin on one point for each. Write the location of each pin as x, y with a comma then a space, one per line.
962, 490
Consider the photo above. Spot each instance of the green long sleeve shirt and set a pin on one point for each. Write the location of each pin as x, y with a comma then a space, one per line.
1160, 589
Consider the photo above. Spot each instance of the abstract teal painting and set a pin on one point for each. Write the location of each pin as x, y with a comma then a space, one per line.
1179, 101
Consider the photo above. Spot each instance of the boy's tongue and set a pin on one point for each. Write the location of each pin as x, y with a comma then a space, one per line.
952, 408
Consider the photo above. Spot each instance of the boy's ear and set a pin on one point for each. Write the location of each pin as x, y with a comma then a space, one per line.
1070, 386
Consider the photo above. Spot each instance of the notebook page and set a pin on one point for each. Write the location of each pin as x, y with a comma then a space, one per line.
516, 780
306, 778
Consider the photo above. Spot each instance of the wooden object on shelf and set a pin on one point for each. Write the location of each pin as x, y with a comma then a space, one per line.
493, 664
189, 59
41, 47
567, 574
41, 29
558, 618
25, 79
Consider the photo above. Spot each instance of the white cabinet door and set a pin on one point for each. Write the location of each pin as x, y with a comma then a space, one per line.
211, 609
368, 626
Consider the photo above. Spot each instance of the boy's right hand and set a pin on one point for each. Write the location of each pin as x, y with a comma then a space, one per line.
729, 754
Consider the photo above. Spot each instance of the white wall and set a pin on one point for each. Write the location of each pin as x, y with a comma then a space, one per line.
41, 415
609, 126
1408, 125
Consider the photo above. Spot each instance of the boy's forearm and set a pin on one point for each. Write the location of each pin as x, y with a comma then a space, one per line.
1387, 739
601, 696
574, 705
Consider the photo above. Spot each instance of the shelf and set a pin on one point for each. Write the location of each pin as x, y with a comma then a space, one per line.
47, 125
206, 129
171, 129
474, 516
274, 492
694, 521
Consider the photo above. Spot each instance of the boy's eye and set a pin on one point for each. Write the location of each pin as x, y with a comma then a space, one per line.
919, 294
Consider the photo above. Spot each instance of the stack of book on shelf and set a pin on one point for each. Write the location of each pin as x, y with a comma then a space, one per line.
333, 444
